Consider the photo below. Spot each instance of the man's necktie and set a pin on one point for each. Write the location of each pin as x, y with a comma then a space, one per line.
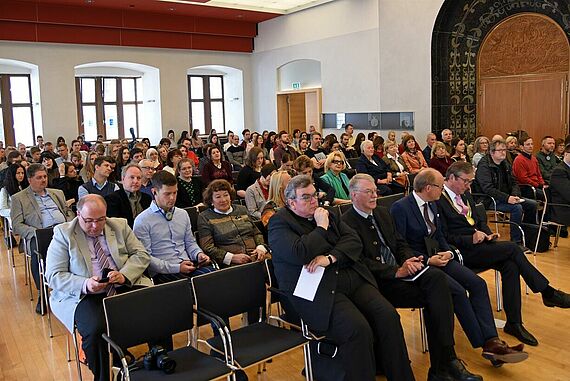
429, 222
461, 204
136, 202
385, 252
104, 263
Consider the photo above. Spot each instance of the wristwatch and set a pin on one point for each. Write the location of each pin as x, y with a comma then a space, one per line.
329, 257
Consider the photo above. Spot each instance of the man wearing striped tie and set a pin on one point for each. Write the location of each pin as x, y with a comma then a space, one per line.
89, 258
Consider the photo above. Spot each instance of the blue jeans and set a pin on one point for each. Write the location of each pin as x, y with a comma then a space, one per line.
523, 212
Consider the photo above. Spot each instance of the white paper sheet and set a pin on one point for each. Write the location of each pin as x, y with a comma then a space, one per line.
308, 283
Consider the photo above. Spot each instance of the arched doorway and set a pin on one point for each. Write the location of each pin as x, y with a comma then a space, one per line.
522, 78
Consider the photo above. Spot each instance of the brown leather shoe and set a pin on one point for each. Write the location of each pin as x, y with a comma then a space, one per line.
497, 350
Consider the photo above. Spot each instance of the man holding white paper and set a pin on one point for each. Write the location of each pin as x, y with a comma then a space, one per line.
347, 307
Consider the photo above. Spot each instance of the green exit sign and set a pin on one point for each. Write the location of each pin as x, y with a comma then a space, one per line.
296, 85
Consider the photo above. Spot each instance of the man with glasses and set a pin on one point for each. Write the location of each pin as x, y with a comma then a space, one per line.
148, 170
347, 308
419, 223
37, 207
392, 262
494, 178
468, 231
89, 258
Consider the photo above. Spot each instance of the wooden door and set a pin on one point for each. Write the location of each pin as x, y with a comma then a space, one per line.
291, 112
523, 68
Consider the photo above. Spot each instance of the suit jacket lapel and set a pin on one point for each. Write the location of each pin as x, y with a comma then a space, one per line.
34, 203
418, 213
111, 239
83, 247
382, 231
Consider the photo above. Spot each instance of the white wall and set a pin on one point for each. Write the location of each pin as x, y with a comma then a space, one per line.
375, 56
56, 64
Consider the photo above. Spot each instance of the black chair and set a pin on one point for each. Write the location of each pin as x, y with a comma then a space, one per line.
353, 161
555, 221
236, 290
193, 214
343, 208
151, 314
387, 201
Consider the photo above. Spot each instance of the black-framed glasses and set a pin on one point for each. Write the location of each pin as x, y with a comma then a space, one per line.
309, 197
149, 168
93, 220
339, 162
466, 181
437, 186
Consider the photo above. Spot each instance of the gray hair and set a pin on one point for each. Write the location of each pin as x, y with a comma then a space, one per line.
365, 143
90, 198
459, 168
356, 179
495, 144
127, 167
297, 182
445, 130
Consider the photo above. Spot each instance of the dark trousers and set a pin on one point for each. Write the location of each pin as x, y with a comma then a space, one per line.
517, 211
510, 261
473, 310
90, 322
430, 291
34, 265
359, 316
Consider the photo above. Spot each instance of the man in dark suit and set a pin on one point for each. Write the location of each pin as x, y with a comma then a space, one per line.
559, 189
347, 307
129, 201
464, 228
418, 222
390, 259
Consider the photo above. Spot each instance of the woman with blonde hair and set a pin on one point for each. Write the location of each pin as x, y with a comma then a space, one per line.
276, 199
88, 169
396, 164
334, 165
439, 160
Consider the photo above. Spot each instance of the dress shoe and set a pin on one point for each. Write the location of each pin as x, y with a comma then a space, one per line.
497, 350
558, 299
438, 376
525, 249
459, 372
519, 331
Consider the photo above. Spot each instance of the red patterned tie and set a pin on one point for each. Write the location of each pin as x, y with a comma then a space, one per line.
103, 261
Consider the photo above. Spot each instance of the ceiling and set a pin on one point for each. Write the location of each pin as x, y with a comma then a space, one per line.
219, 25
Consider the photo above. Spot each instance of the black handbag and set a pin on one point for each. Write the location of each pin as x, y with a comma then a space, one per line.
530, 234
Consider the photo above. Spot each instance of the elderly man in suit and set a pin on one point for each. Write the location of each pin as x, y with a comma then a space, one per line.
418, 221
464, 228
79, 253
129, 201
34, 208
347, 307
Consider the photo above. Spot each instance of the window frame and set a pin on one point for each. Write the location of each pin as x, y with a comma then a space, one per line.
100, 104
7, 107
207, 100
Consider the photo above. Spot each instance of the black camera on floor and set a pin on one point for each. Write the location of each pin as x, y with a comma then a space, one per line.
157, 358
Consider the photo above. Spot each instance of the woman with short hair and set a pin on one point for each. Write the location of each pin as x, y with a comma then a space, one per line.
334, 175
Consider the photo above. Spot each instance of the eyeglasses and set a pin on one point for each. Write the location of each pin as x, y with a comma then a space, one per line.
93, 220
149, 168
309, 197
339, 162
369, 192
466, 181
437, 186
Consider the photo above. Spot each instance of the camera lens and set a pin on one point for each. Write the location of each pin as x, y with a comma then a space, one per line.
166, 363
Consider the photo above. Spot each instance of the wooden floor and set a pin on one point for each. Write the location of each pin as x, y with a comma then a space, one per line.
27, 352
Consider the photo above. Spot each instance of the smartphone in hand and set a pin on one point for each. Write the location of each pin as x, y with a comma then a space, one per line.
105, 276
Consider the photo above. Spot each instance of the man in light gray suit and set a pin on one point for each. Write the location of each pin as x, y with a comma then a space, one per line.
34, 208
79, 252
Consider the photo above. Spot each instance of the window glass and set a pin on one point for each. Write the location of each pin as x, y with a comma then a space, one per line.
196, 88
198, 116
129, 119
111, 122
128, 90
20, 89
88, 90
217, 109
110, 90
90, 122
23, 127
139, 89
215, 87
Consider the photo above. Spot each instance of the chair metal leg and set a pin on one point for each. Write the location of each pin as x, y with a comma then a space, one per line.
67, 347
74, 334
558, 229
308, 363
423, 332
498, 291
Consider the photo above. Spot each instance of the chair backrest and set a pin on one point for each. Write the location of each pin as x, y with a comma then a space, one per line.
43, 239
387, 201
231, 291
481, 212
344, 208
353, 161
149, 314
193, 214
